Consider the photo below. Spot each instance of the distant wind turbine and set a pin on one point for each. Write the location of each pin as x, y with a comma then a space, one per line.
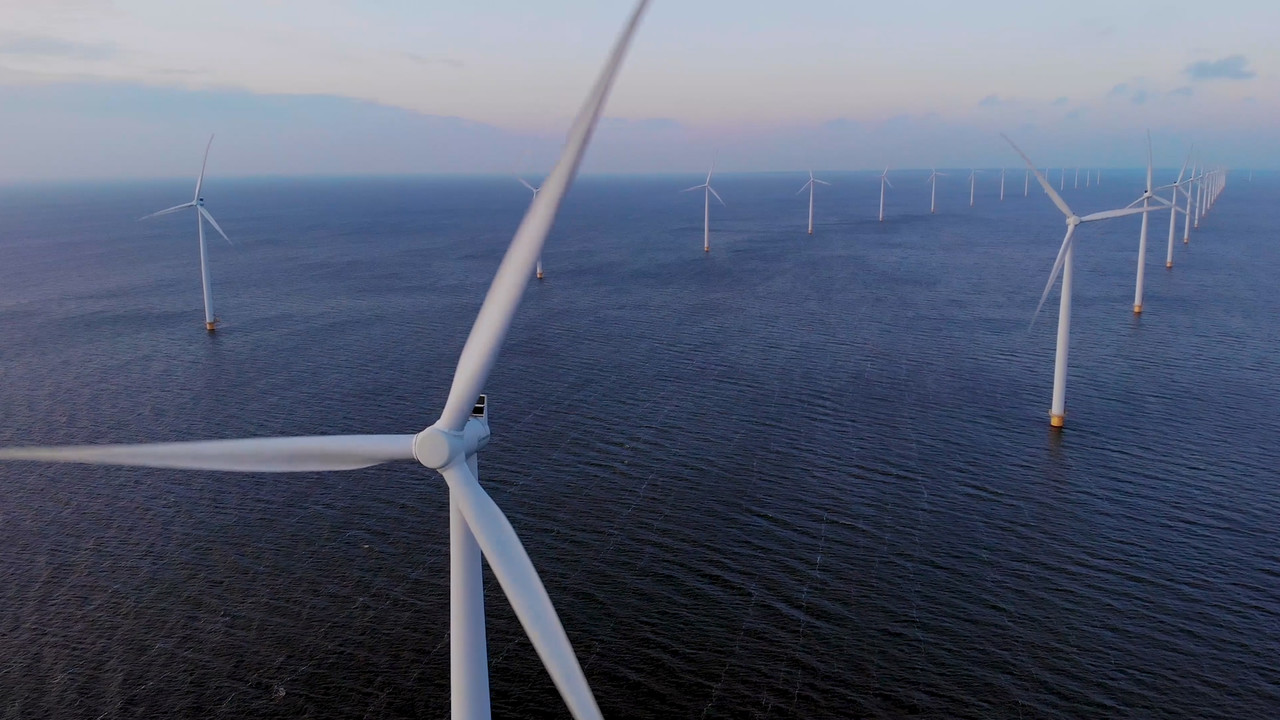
1077, 187
197, 202
1186, 227
973, 179
535, 191
1145, 199
933, 191
1087, 174
477, 526
809, 186
1062, 178
1057, 412
1001, 184
1174, 209
1026, 182
884, 180
706, 207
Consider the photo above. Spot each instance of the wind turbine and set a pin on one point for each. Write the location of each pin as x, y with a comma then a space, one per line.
1174, 209
706, 208
1087, 175
1077, 187
884, 180
809, 186
1145, 199
1001, 184
1062, 178
1186, 227
535, 191
1058, 412
973, 175
197, 202
933, 191
450, 445
1026, 182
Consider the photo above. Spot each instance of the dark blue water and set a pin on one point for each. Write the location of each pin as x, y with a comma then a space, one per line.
796, 477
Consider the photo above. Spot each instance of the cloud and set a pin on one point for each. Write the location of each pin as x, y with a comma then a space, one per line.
1228, 68
1139, 97
989, 101
435, 60
1120, 90
1061, 101
1185, 90
35, 46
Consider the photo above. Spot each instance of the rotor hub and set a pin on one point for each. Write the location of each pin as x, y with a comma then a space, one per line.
1073, 220
436, 447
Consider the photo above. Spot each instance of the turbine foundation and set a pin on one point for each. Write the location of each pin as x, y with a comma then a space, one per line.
1168, 265
1137, 309
1057, 421
539, 274
211, 326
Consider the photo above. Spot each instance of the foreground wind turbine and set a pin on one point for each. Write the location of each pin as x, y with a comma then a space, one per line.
933, 191
809, 186
1145, 199
476, 524
1174, 209
197, 202
1058, 411
884, 180
973, 179
535, 191
706, 208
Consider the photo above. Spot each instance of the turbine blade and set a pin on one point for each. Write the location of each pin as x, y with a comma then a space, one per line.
713, 192
214, 223
524, 590
1044, 183
1184, 165
166, 211
695, 187
278, 454
806, 187
821, 182
1108, 214
526, 184
503, 299
1148, 161
1057, 268
886, 182
200, 180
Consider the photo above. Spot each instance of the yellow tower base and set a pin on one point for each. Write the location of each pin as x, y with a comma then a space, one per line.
211, 326
1137, 309
1056, 420
539, 276
1168, 266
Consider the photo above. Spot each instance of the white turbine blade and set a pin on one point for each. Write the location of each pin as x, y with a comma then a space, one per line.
806, 187
526, 184
708, 180
1057, 268
503, 298
200, 180
821, 182
280, 454
214, 223
713, 192
886, 182
166, 211
1108, 214
695, 187
1044, 183
1148, 161
524, 590
1184, 165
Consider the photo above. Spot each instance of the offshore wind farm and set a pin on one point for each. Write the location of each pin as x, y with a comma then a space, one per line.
825, 471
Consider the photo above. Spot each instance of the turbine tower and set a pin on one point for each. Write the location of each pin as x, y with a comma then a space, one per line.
1058, 412
809, 186
973, 175
706, 207
197, 202
535, 191
477, 527
1001, 184
884, 180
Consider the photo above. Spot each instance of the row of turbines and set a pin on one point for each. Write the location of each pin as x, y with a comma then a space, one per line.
1197, 191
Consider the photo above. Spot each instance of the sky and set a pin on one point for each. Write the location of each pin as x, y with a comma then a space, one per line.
96, 89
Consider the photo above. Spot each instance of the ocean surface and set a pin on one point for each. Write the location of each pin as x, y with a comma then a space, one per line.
797, 477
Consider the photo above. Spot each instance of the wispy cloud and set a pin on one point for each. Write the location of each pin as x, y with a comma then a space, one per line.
1120, 90
989, 101
1184, 90
433, 60
1232, 67
37, 46
1061, 101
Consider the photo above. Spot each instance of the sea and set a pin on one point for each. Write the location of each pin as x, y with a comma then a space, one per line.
799, 476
